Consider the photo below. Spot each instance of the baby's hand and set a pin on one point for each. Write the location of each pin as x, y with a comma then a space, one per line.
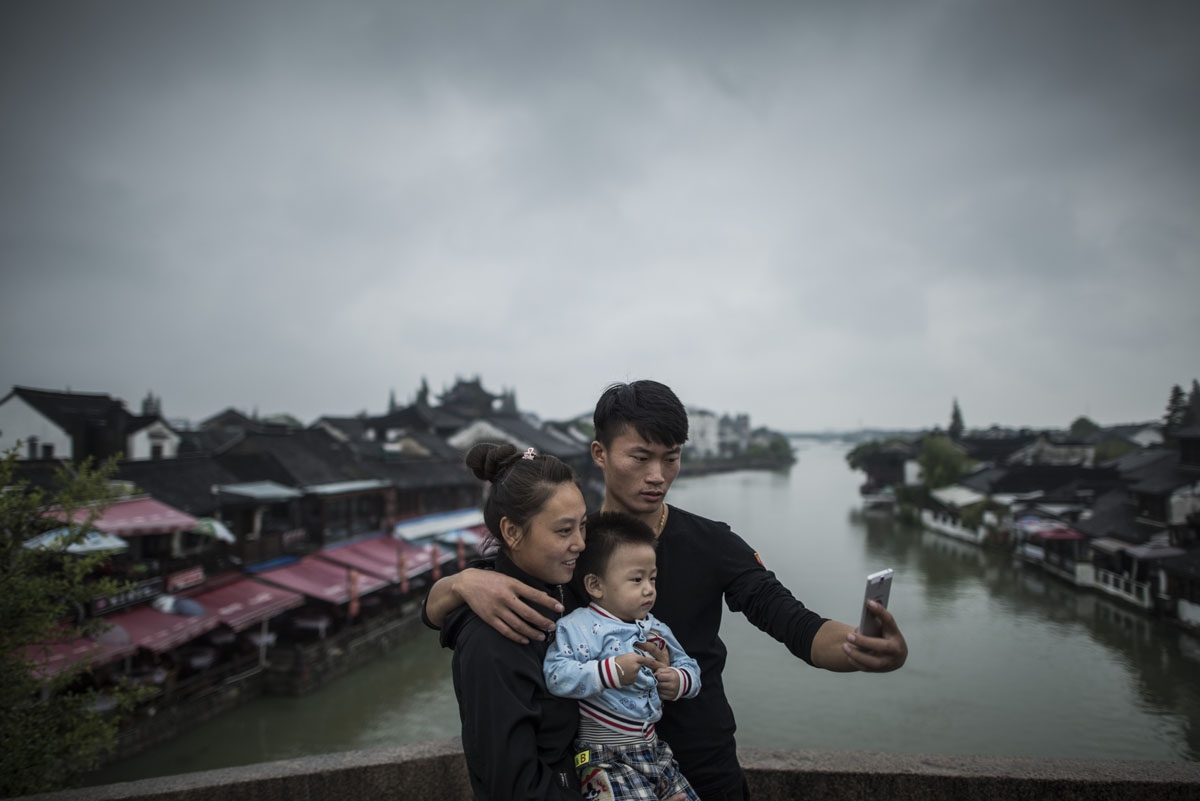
668, 683
628, 665
657, 650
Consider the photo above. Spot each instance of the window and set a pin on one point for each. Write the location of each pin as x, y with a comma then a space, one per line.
156, 450
33, 447
48, 450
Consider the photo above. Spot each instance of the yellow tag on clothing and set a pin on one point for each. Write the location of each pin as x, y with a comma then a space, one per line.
582, 758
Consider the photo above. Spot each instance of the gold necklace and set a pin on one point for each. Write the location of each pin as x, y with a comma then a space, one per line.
662, 520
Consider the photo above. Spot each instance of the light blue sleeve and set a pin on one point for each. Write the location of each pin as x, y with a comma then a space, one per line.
568, 673
689, 669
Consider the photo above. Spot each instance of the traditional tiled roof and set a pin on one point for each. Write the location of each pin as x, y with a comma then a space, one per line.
1186, 565
1053, 479
1114, 515
1129, 464
1126, 431
425, 473
1162, 477
96, 423
353, 428
297, 458
183, 482
208, 440
138, 422
983, 479
996, 449
545, 440
437, 447
68, 409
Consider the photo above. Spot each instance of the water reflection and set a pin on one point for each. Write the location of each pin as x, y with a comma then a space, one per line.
1161, 659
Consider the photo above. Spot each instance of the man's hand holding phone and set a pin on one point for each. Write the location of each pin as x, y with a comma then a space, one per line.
877, 646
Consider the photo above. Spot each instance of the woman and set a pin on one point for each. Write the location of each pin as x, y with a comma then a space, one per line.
516, 736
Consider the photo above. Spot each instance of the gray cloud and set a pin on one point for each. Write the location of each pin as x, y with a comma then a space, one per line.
821, 214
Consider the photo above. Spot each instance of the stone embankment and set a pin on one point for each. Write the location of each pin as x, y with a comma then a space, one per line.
436, 772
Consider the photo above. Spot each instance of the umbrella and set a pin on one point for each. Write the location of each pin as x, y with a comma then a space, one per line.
188, 608
115, 634
215, 528
171, 605
92, 542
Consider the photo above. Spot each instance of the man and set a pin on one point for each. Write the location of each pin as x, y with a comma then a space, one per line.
640, 431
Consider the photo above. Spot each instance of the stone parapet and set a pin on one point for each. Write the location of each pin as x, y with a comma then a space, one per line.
436, 772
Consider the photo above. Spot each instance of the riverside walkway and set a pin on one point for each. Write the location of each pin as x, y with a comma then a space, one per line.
436, 772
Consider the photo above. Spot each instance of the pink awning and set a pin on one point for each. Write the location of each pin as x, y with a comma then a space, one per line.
368, 560
1060, 533
381, 556
139, 516
159, 631
53, 658
245, 602
321, 579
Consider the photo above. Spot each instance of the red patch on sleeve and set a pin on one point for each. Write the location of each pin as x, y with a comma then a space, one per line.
759, 558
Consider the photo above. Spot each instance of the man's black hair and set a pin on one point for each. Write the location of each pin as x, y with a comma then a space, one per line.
650, 408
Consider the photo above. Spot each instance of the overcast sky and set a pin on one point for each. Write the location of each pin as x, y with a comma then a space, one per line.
825, 215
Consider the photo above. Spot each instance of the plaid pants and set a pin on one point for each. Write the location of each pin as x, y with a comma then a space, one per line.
644, 771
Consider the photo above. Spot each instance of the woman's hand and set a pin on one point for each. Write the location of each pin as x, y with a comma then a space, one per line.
499, 600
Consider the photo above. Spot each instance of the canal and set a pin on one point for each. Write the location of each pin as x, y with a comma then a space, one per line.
1003, 659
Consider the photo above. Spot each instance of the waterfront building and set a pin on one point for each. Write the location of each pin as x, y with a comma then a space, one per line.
77, 425
1127, 529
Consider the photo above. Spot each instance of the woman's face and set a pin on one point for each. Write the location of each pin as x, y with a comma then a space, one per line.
547, 549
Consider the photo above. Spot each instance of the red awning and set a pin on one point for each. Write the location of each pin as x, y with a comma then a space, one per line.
139, 516
53, 658
320, 579
159, 631
243, 603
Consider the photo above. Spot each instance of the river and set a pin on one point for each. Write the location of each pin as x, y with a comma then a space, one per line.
1003, 659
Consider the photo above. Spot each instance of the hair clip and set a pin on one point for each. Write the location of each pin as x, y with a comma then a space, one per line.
529, 453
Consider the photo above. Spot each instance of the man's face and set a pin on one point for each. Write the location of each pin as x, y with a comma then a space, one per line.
637, 473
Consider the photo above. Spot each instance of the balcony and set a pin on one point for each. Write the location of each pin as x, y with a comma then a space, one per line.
1135, 592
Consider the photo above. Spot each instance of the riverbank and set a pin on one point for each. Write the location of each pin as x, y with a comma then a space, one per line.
705, 467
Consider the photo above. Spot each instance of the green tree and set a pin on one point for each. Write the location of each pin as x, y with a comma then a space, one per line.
1177, 409
1192, 416
1082, 428
942, 462
777, 448
50, 729
956, 423
860, 455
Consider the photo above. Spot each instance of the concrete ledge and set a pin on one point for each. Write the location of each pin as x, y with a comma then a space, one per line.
436, 772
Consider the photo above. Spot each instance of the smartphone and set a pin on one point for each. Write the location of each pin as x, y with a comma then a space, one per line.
879, 587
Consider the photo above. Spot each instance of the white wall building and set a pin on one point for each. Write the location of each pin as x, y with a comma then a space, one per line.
704, 435
39, 436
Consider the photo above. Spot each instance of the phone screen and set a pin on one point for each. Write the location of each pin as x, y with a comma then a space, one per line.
879, 587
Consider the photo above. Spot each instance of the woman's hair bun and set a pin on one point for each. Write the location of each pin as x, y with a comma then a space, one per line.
489, 462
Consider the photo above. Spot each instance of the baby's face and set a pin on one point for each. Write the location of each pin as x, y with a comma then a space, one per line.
627, 589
